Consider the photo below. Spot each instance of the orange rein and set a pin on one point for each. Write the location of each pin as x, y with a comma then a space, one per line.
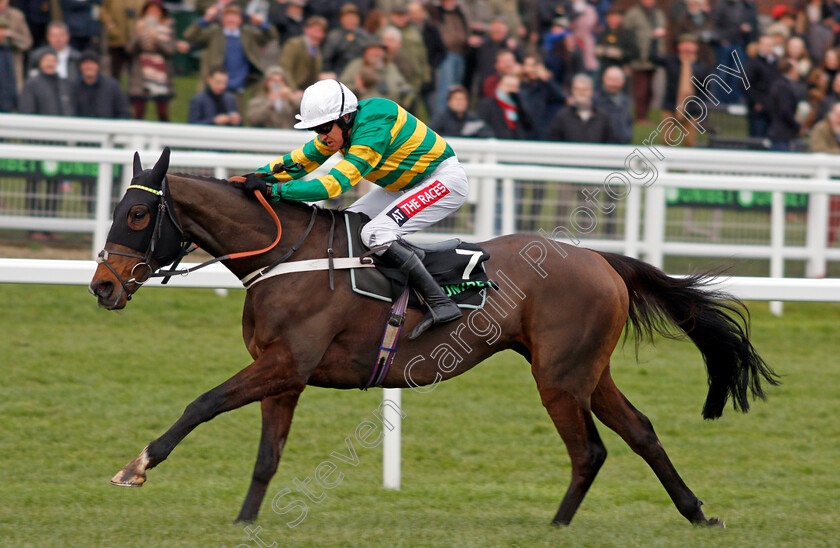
267, 206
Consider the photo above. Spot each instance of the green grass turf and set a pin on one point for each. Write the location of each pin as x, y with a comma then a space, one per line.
83, 390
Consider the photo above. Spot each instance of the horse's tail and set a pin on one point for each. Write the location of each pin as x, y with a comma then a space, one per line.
715, 321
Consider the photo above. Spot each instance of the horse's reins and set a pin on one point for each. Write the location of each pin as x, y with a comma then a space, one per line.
102, 258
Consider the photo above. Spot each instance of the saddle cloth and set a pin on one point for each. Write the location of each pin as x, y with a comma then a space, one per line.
457, 266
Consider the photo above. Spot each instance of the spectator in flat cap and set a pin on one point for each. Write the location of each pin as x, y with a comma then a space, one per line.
345, 42
97, 95
45, 92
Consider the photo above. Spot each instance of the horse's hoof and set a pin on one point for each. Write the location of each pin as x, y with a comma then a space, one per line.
132, 474
136, 481
713, 522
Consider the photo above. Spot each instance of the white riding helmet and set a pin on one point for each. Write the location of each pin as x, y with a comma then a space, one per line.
323, 102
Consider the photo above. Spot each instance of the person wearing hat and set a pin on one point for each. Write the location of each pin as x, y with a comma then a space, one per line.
152, 48
14, 38
97, 95
345, 42
45, 92
392, 85
418, 178
301, 56
229, 41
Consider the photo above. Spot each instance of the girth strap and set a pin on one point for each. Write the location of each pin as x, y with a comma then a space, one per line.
388, 346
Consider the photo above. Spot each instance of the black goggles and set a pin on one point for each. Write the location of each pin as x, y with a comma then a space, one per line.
325, 128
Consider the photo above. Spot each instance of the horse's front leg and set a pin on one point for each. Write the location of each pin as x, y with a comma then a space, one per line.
277, 412
274, 373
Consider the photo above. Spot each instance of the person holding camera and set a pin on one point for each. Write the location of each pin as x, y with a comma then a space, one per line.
276, 104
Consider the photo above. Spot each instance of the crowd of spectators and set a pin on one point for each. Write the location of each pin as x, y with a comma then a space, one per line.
559, 70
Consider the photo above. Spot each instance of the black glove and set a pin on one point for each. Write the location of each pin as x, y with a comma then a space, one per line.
255, 182
279, 167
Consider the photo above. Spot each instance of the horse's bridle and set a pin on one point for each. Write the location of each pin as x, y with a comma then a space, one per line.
164, 211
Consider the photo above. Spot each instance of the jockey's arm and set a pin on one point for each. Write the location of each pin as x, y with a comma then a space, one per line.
309, 156
360, 160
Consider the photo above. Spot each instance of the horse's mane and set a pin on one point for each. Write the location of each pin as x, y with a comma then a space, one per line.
291, 203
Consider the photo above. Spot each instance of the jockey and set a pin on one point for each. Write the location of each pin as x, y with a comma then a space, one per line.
419, 180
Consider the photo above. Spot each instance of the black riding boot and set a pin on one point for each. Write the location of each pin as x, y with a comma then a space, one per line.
441, 308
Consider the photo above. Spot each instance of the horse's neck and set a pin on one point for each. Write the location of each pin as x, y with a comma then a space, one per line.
223, 221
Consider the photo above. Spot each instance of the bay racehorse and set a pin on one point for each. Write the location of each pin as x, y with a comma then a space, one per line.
564, 313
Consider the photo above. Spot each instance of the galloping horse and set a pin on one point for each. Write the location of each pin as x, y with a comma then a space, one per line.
565, 315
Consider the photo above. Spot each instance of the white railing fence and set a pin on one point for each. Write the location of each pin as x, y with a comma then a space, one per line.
509, 197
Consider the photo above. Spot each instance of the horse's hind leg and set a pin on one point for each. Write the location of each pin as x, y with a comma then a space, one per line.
587, 452
277, 415
614, 410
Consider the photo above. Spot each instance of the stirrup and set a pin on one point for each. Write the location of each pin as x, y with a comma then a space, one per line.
430, 320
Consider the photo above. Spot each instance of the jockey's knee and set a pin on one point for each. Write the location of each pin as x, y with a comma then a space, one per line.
372, 237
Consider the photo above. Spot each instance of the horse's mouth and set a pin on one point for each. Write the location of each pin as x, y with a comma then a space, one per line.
117, 302
110, 305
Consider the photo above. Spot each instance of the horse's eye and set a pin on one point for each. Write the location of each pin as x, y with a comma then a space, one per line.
138, 215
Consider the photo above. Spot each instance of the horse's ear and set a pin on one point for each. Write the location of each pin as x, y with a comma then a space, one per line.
162, 165
137, 167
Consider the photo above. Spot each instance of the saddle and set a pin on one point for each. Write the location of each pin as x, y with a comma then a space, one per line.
457, 266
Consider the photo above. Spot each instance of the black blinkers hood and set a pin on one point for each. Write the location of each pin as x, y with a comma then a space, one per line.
164, 234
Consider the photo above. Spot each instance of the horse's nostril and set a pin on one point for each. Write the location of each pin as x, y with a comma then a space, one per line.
104, 289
